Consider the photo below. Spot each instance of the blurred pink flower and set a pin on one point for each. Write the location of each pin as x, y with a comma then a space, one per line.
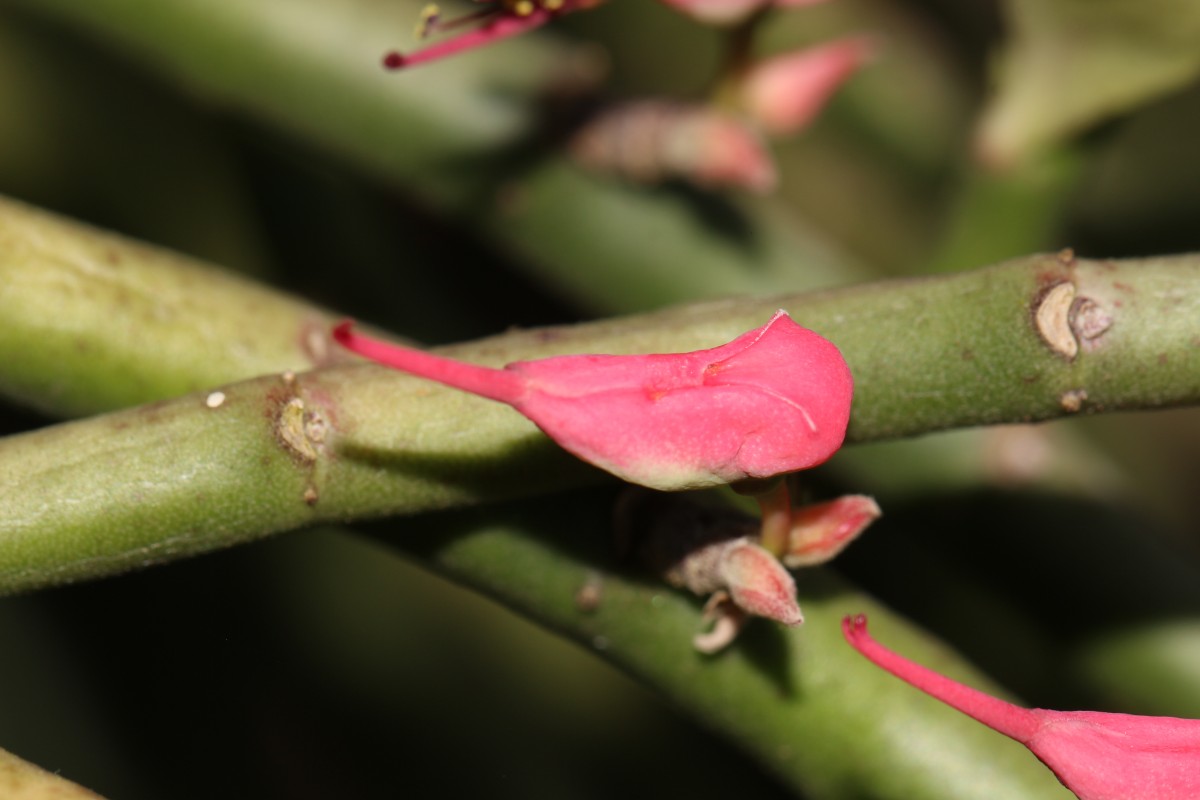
774, 400
784, 93
1097, 755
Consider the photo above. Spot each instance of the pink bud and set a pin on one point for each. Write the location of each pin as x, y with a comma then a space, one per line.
747, 582
774, 400
820, 531
1098, 756
759, 584
784, 93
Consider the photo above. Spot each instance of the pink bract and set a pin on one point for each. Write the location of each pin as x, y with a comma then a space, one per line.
774, 400
1097, 755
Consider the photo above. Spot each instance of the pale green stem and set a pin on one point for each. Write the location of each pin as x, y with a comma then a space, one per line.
90, 321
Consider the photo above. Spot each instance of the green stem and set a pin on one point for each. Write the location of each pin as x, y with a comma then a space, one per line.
202, 471
90, 321
800, 700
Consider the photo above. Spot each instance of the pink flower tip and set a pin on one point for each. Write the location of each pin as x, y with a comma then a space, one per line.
393, 60
1097, 755
774, 400
854, 626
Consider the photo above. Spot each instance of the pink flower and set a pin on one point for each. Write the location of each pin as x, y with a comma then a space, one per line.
1098, 756
504, 18
774, 400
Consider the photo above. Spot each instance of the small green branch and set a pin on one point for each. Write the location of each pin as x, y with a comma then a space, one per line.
800, 701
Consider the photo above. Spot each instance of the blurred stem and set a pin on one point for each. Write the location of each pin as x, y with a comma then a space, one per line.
20, 780
466, 136
207, 470
1003, 213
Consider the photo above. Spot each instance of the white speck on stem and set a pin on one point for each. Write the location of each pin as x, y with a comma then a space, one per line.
215, 399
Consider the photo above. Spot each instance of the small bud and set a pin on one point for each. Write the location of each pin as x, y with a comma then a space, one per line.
820, 531
759, 584
774, 400
784, 94
711, 552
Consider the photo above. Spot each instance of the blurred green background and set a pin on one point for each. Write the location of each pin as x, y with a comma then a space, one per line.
324, 664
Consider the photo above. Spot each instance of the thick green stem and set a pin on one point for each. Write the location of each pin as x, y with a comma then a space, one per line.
1033, 339
90, 321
